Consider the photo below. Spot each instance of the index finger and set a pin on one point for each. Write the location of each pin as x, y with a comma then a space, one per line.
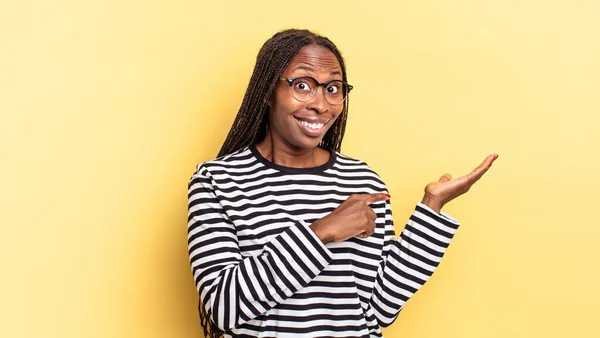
372, 198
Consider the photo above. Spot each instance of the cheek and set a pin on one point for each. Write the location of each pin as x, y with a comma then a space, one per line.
284, 104
336, 112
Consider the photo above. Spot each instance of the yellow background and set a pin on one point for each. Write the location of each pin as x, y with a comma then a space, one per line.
108, 105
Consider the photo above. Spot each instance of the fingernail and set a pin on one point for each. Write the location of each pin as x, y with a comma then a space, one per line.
493, 159
388, 195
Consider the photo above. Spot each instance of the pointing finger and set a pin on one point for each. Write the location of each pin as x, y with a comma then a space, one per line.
372, 198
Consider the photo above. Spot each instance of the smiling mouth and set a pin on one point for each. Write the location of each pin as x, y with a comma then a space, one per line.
311, 126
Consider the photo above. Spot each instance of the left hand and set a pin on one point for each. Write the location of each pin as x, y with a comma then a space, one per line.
437, 194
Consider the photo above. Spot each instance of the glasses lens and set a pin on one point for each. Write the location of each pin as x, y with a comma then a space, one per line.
335, 92
304, 88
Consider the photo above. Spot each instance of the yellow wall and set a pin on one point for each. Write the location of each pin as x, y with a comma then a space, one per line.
108, 105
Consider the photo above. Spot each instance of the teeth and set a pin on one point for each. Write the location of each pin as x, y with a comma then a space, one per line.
312, 125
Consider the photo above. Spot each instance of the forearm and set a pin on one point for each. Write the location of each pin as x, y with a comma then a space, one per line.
237, 290
410, 261
233, 288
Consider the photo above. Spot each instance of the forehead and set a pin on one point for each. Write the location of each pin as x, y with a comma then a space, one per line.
315, 57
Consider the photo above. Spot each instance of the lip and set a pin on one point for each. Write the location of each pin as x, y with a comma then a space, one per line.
311, 119
312, 132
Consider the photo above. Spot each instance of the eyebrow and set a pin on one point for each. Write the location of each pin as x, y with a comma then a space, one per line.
307, 68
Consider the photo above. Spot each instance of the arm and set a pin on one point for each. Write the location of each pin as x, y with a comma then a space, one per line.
234, 289
410, 260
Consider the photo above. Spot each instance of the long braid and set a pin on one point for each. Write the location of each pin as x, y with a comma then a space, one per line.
250, 124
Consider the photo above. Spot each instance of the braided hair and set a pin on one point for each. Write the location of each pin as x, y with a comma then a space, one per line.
250, 124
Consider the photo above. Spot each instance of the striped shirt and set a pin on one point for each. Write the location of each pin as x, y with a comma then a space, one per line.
260, 271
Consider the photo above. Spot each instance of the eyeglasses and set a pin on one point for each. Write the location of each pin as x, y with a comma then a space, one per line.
304, 88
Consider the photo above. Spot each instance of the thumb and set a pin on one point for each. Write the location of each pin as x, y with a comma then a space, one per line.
445, 178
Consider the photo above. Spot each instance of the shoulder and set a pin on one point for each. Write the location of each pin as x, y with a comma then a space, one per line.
355, 167
238, 159
348, 163
347, 160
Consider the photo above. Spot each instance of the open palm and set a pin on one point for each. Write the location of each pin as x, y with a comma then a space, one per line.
437, 194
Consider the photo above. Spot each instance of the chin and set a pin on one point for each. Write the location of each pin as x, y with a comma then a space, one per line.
306, 143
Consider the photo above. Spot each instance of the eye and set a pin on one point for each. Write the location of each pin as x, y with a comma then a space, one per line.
302, 86
333, 89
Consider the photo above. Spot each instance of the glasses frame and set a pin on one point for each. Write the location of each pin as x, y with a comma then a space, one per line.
290, 82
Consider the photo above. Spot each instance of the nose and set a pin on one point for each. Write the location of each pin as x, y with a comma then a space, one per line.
318, 103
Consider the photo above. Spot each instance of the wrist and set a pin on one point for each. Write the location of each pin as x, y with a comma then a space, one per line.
432, 203
319, 230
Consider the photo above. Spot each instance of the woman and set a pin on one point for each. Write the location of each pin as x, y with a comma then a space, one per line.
288, 237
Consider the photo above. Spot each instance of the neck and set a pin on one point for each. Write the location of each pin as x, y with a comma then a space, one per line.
278, 152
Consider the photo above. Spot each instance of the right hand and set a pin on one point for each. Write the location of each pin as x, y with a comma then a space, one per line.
353, 218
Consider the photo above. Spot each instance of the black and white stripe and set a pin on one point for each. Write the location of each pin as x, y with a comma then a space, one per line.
261, 272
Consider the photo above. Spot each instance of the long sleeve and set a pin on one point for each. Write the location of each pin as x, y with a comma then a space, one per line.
235, 289
410, 260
